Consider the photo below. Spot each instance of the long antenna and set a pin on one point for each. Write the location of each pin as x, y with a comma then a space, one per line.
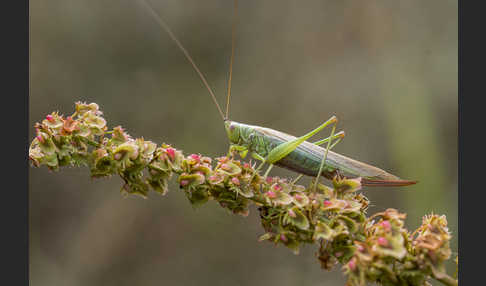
232, 57
161, 22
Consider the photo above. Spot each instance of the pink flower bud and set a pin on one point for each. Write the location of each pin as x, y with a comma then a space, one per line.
327, 203
184, 183
49, 118
382, 241
225, 167
298, 197
117, 156
292, 213
171, 153
277, 188
213, 178
40, 138
271, 194
360, 248
269, 180
352, 264
283, 238
386, 225
195, 157
246, 165
235, 181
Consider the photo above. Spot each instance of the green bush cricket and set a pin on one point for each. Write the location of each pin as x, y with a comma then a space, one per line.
284, 150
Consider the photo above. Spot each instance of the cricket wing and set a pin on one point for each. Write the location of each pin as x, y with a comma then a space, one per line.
371, 175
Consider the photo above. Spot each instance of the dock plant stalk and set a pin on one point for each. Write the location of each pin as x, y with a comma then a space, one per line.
370, 249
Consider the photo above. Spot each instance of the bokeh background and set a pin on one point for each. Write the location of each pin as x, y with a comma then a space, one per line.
386, 69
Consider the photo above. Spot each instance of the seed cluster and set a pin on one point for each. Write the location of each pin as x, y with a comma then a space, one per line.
375, 249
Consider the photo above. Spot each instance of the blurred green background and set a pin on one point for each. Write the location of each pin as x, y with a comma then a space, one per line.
386, 69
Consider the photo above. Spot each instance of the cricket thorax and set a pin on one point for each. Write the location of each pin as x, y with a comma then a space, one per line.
248, 136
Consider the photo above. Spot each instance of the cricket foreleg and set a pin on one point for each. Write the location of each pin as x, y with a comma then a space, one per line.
259, 158
241, 150
268, 171
297, 179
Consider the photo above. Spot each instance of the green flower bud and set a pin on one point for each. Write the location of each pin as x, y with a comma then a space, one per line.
229, 168
83, 108
103, 165
126, 153
243, 190
351, 225
216, 178
297, 218
35, 155
46, 144
119, 136
347, 185
323, 231
390, 246
300, 200
51, 161
266, 236
83, 130
334, 205
97, 124
276, 196
189, 181
199, 196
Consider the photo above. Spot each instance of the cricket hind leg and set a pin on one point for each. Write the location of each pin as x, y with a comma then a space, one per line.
337, 137
329, 146
286, 148
282, 150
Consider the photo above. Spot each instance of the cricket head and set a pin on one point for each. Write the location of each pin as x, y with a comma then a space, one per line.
233, 131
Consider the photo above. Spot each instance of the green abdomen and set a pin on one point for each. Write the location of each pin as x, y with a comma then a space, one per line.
306, 159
